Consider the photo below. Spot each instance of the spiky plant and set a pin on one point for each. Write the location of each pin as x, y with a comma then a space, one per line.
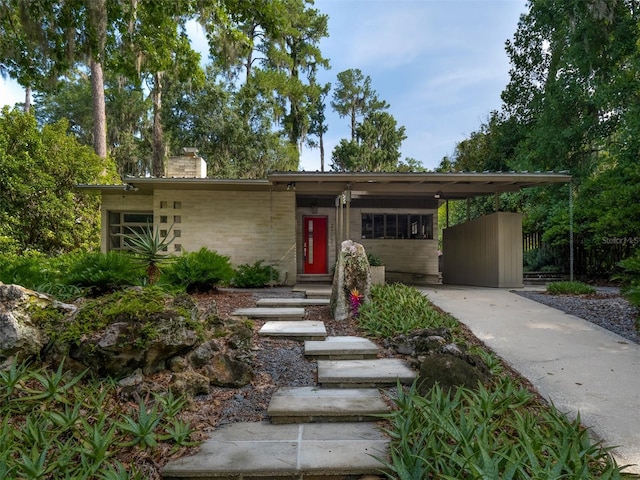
150, 249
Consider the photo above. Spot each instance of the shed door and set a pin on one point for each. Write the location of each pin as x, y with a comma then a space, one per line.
315, 245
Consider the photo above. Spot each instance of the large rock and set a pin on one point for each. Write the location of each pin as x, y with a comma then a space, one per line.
449, 372
20, 333
226, 371
352, 272
117, 351
440, 361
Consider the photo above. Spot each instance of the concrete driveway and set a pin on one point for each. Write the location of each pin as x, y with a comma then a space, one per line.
577, 365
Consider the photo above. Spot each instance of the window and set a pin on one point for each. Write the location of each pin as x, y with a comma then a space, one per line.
126, 223
397, 226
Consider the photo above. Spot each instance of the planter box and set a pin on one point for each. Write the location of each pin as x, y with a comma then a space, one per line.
377, 275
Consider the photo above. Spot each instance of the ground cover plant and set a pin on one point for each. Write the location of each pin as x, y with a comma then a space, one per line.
398, 308
58, 425
500, 430
570, 288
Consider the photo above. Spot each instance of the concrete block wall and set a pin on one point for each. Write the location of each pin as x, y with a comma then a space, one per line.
187, 166
247, 226
410, 261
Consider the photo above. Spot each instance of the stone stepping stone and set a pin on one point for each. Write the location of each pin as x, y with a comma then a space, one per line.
292, 302
341, 348
262, 313
317, 293
364, 373
265, 451
300, 330
315, 404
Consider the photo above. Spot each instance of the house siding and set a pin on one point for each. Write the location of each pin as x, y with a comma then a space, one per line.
485, 252
247, 226
410, 261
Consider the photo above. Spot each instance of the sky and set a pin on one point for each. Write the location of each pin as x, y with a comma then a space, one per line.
440, 64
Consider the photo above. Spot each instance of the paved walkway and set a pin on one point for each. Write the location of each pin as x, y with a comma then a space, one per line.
577, 365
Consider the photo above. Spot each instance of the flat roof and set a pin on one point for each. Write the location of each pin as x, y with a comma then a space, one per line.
447, 185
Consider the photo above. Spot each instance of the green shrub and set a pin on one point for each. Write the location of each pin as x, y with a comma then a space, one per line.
570, 288
630, 277
199, 271
374, 260
101, 273
256, 275
397, 308
495, 432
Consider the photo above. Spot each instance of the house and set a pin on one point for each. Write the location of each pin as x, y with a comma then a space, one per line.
296, 221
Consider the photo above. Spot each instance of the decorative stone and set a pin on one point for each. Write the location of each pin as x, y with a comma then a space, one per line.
352, 272
19, 334
225, 371
202, 354
190, 383
448, 371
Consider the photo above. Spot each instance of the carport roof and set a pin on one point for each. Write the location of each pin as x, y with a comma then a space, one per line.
447, 185
440, 185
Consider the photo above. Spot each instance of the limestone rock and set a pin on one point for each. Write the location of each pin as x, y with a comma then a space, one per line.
352, 272
19, 333
190, 383
118, 351
225, 371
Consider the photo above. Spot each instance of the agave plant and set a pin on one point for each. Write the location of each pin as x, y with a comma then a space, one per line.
150, 248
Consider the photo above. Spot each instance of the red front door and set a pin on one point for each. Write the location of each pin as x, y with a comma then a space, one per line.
315, 245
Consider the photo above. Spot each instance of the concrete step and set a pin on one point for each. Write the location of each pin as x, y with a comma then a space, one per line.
341, 348
315, 404
292, 302
262, 313
294, 451
318, 292
364, 373
297, 330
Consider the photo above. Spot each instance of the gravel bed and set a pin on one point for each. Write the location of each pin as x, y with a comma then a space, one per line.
607, 308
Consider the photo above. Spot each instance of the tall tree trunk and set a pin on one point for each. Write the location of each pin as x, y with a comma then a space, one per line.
158, 142
99, 110
27, 99
97, 18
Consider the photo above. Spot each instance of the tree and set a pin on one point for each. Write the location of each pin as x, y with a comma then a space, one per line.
354, 97
318, 126
376, 148
158, 50
39, 168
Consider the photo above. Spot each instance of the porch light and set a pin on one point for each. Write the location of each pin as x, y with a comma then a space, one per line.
437, 195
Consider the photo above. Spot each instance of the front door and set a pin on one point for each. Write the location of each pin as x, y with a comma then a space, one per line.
315, 245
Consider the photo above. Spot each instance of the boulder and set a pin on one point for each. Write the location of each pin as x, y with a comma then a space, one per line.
118, 350
352, 272
189, 383
20, 333
226, 371
449, 372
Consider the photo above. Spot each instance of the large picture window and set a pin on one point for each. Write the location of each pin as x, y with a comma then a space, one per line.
126, 223
397, 226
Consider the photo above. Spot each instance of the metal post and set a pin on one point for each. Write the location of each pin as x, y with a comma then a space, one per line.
348, 220
446, 203
571, 231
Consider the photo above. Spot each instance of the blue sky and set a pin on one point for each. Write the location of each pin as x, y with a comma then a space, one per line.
440, 64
